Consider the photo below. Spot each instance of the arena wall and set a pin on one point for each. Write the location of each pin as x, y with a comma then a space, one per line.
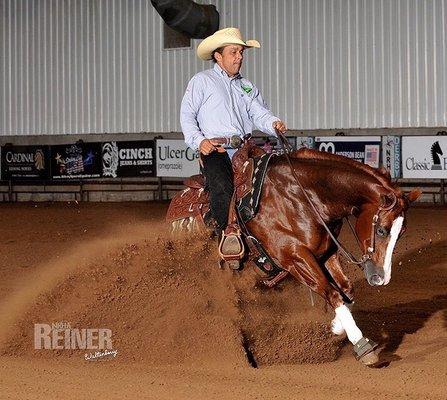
98, 67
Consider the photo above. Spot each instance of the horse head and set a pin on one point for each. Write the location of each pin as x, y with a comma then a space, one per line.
378, 228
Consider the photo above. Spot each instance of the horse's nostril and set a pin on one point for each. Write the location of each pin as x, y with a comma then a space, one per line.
372, 274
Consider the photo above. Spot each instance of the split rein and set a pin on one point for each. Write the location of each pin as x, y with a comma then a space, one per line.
287, 148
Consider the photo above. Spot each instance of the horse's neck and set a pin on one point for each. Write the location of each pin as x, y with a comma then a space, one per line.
354, 188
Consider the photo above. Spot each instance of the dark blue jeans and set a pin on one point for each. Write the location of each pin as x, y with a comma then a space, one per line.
218, 174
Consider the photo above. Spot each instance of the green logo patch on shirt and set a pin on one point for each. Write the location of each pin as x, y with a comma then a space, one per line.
246, 88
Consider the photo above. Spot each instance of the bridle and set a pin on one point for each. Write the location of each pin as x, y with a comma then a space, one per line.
287, 148
372, 239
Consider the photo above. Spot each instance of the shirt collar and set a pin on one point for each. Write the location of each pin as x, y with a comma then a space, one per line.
221, 72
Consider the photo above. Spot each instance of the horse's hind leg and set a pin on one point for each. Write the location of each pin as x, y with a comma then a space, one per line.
306, 269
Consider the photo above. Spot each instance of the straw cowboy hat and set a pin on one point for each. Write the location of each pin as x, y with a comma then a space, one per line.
223, 38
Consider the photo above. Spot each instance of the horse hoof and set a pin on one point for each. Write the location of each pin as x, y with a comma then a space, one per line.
370, 359
364, 351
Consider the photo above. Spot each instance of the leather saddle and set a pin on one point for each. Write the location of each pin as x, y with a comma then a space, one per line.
193, 202
249, 165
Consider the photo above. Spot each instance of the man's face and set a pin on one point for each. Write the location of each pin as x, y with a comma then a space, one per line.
231, 58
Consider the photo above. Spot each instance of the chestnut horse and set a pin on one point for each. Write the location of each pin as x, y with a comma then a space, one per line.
309, 187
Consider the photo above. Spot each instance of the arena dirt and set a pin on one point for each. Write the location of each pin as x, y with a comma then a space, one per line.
185, 329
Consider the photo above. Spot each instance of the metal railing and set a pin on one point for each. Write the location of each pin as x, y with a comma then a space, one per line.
155, 188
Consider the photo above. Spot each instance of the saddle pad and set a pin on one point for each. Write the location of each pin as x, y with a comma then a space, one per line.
248, 205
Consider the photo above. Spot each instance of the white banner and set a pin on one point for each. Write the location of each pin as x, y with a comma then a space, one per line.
424, 157
391, 155
175, 159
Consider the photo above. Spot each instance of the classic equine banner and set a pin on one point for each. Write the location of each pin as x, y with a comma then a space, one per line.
365, 149
175, 159
424, 157
131, 159
25, 162
76, 161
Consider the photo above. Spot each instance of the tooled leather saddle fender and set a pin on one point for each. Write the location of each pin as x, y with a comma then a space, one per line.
193, 201
192, 204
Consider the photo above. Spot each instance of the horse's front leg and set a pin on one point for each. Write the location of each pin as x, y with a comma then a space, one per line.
306, 269
334, 267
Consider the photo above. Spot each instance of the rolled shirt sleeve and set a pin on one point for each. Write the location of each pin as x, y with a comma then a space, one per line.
260, 115
189, 109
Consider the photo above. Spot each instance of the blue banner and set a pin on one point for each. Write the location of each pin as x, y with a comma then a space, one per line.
365, 149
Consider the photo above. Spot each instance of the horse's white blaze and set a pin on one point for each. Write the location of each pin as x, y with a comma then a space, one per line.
347, 321
394, 234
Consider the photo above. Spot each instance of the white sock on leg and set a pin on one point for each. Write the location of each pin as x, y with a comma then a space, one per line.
348, 324
337, 327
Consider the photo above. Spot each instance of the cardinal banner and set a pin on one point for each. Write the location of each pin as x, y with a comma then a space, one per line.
25, 162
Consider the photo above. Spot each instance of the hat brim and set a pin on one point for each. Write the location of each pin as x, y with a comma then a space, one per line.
210, 44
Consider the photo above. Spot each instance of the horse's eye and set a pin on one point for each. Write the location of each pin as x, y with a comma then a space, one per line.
381, 231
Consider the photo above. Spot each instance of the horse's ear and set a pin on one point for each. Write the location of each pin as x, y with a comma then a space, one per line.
414, 195
383, 171
387, 201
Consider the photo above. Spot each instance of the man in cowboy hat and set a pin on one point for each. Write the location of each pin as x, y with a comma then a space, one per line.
217, 103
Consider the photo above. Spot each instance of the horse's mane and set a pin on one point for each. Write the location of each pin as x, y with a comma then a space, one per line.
310, 154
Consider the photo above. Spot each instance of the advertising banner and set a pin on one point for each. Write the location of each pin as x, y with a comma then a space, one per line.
267, 143
128, 159
270, 143
25, 162
290, 139
365, 149
76, 161
305, 141
424, 157
175, 159
391, 147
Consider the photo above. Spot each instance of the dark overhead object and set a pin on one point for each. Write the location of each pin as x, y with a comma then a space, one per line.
194, 20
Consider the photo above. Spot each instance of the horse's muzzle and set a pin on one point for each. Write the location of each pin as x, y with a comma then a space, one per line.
373, 275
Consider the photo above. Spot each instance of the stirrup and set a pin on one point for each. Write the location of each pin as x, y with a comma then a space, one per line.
231, 246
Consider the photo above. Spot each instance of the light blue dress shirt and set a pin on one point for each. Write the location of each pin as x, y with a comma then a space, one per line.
215, 105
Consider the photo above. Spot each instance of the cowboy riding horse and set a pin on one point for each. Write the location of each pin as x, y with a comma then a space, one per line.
288, 210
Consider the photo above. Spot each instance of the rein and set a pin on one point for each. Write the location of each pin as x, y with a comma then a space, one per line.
346, 253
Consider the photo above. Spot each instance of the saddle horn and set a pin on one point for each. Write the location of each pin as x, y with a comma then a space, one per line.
235, 142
